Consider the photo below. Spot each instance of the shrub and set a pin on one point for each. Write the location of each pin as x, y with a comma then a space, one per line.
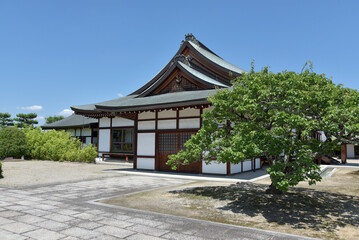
57, 146
1, 176
12, 142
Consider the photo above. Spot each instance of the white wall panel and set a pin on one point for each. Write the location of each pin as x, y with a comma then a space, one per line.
258, 163
167, 114
88, 140
247, 165
236, 168
189, 112
104, 140
147, 115
210, 108
122, 122
350, 151
214, 168
145, 144
78, 132
189, 123
146, 163
71, 131
167, 124
105, 122
86, 132
146, 125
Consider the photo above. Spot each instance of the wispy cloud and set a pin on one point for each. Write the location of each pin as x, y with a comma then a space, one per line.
40, 118
31, 108
66, 112
120, 94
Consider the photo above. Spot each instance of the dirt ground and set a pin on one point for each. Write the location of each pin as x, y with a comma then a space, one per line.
19, 173
328, 210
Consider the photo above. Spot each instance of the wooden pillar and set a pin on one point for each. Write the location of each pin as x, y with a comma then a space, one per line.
343, 153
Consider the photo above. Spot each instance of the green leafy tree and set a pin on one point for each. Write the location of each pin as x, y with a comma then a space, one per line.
26, 119
1, 176
12, 142
52, 119
276, 116
5, 120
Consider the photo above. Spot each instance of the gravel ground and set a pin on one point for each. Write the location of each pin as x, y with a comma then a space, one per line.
21, 173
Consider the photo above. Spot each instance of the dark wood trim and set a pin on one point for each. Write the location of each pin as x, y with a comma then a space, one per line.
201, 119
142, 156
241, 166
98, 133
117, 127
157, 161
177, 119
169, 130
135, 142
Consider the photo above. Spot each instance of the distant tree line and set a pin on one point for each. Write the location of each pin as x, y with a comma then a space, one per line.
23, 120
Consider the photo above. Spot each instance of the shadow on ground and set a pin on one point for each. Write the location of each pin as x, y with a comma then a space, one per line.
301, 207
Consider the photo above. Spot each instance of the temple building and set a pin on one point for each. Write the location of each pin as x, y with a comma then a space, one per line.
156, 120
84, 128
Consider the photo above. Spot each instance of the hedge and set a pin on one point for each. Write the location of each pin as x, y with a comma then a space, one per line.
12, 142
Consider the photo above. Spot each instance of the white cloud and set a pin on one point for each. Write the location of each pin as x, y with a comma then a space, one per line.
120, 94
40, 118
66, 112
32, 108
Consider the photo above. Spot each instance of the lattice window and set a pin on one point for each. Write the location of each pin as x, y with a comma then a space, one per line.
184, 137
167, 143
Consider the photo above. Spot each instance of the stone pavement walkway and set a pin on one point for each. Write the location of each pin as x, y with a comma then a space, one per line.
66, 211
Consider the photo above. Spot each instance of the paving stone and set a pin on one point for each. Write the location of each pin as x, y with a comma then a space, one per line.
5, 235
58, 217
5, 221
179, 236
81, 233
43, 234
114, 231
45, 207
151, 223
18, 208
89, 225
18, 227
140, 236
116, 223
67, 212
9, 214
85, 216
52, 225
37, 212
29, 219
147, 230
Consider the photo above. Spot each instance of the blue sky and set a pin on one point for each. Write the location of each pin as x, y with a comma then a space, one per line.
55, 54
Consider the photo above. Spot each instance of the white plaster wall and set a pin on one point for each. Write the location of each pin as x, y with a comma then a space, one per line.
146, 163
105, 122
122, 122
236, 168
214, 168
167, 124
146, 115
350, 151
167, 114
258, 163
189, 123
88, 140
247, 165
86, 132
71, 131
78, 132
104, 140
146, 125
146, 144
189, 112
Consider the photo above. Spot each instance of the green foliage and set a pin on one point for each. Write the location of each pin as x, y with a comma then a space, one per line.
23, 119
57, 146
276, 116
12, 142
5, 120
52, 119
1, 176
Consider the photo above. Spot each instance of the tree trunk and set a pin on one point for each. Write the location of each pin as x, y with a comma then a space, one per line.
273, 190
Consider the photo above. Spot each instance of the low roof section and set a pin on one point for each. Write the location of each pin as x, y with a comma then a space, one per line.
73, 121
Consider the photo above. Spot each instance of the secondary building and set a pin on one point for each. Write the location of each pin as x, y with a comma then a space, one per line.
84, 128
156, 120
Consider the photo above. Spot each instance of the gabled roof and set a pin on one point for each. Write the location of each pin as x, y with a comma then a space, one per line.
74, 121
203, 72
